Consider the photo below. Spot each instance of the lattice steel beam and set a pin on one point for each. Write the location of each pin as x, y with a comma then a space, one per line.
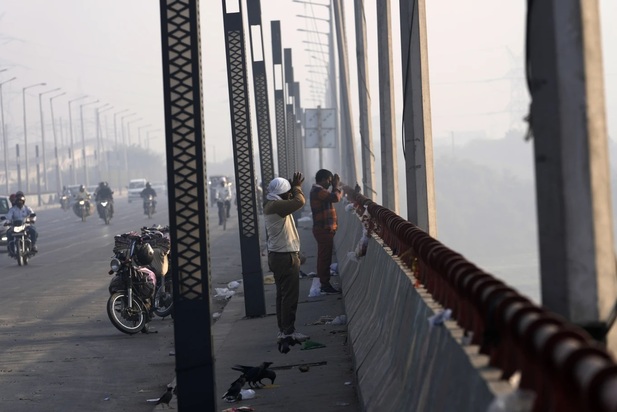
262, 105
252, 274
188, 204
279, 98
291, 140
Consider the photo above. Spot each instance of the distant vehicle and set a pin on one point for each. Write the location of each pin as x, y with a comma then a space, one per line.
91, 189
160, 188
74, 190
5, 205
135, 188
213, 182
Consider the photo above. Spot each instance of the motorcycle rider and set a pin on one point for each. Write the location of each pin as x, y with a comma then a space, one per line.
223, 199
19, 211
83, 195
148, 191
65, 196
104, 192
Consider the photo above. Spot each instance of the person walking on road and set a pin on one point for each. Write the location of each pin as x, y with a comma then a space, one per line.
325, 224
284, 198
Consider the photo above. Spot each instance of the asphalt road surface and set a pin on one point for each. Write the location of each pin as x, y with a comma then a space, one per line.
58, 349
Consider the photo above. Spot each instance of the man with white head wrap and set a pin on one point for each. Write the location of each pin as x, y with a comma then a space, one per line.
283, 199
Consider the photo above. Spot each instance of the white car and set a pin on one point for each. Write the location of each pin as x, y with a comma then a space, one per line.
5, 205
135, 187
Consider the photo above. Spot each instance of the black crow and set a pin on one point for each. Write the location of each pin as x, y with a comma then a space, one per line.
253, 373
233, 393
166, 397
268, 374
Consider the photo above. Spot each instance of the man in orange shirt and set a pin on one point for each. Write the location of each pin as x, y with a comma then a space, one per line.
325, 223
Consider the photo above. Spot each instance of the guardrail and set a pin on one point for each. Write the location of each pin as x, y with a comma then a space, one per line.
560, 362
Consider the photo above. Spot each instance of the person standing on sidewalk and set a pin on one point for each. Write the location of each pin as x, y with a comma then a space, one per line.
325, 224
283, 199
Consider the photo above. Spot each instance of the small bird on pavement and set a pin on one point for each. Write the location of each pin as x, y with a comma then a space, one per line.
254, 373
267, 374
233, 393
165, 398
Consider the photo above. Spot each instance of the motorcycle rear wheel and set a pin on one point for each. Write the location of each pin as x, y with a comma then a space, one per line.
165, 291
125, 319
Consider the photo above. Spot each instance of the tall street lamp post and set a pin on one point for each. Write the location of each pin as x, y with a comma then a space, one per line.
43, 135
117, 168
23, 92
72, 150
53, 129
126, 156
139, 133
83, 139
148, 138
4, 138
99, 140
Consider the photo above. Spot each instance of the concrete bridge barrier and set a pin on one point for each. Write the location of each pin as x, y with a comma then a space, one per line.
401, 362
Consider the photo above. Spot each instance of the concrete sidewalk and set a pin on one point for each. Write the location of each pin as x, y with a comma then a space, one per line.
329, 383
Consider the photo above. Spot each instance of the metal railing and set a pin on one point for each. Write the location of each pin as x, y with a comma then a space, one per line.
560, 362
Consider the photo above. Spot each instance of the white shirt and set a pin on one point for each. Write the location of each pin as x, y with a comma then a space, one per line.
16, 213
223, 193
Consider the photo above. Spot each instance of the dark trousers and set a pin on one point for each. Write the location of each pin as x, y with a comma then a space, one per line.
325, 246
286, 269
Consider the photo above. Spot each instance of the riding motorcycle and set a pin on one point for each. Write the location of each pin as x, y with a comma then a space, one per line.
65, 202
136, 291
82, 209
20, 247
149, 206
104, 209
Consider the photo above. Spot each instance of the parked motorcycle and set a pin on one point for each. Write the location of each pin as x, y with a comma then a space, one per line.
65, 202
137, 292
104, 209
149, 206
82, 209
20, 247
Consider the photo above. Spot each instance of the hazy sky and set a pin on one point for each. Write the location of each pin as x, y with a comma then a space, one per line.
110, 50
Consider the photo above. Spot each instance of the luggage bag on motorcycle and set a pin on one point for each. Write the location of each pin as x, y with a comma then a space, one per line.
159, 263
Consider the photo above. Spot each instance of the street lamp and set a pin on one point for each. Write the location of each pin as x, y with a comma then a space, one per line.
43, 135
4, 138
313, 17
83, 139
23, 92
119, 186
126, 153
72, 151
128, 128
139, 133
99, 139
53, 128
148, 138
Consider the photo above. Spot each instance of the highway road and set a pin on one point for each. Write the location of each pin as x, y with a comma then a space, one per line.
58, 349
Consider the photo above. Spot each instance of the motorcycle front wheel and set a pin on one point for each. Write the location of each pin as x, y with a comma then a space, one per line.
18, 254
129, 320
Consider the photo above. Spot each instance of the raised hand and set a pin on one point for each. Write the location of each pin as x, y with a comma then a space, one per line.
336, 180
297, 179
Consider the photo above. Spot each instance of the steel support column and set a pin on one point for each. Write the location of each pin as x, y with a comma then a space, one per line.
291, 140
417, 134
188, 205
279, 98
348, 157
252, 275
262, 105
